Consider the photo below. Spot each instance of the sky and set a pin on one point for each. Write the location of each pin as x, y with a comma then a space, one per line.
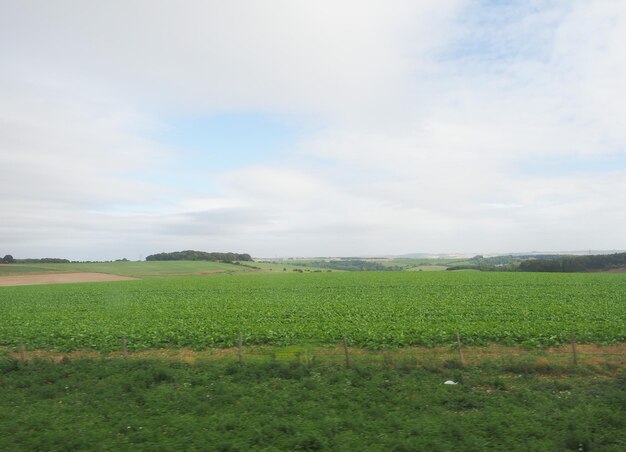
326, 128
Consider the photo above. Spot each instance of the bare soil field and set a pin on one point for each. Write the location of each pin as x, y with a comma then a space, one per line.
59, 278
617, 270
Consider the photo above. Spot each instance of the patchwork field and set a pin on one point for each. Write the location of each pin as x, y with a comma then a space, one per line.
375, 310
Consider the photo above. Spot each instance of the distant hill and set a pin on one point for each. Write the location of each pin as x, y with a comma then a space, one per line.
191, 255
518, 254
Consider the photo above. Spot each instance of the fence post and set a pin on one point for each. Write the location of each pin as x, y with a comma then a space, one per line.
345, 351
124, 348
460, 352
240, 348
22, 352
574, 354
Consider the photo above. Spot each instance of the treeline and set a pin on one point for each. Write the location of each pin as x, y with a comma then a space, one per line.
44, 260
508, 263
570, 264
8, 259
191, 255
543, 263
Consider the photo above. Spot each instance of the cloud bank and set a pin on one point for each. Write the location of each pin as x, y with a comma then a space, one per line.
433, 126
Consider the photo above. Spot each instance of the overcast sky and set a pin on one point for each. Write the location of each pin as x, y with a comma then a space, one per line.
318, 128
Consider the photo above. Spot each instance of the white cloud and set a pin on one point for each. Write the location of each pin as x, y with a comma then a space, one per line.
432, 113
318, 57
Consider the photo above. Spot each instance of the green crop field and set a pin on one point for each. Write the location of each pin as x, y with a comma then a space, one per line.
375, 310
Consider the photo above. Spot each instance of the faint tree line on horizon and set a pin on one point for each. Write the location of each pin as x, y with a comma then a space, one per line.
8, 259
569, 264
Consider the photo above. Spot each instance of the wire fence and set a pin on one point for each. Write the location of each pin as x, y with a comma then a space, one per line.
454, 355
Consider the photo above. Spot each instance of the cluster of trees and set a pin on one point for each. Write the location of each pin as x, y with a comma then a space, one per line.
191, 255
570, 264
44, 260
8, 259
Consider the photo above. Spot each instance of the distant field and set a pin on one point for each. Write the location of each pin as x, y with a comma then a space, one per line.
374, 309
145, 269
428, 268
13, 269
410, 264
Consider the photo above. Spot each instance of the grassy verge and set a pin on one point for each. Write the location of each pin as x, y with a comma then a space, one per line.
588, 355
156, 404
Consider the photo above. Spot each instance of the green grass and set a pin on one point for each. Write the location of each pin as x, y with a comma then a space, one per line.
135, 269
375, 310
428, 268
150, 405
16, 269
278, 266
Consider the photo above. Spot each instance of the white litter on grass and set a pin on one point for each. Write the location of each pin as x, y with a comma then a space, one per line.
450, 382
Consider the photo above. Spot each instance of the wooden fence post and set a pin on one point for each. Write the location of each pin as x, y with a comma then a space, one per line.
345, 351
460, 352
22, 352
240, 348
124, 347
574, 354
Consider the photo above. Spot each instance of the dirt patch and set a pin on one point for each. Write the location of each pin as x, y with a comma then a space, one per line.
59, 278
616, 270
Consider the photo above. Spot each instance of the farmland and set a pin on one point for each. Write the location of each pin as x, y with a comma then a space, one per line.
147, 269
375, 310
178, 388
